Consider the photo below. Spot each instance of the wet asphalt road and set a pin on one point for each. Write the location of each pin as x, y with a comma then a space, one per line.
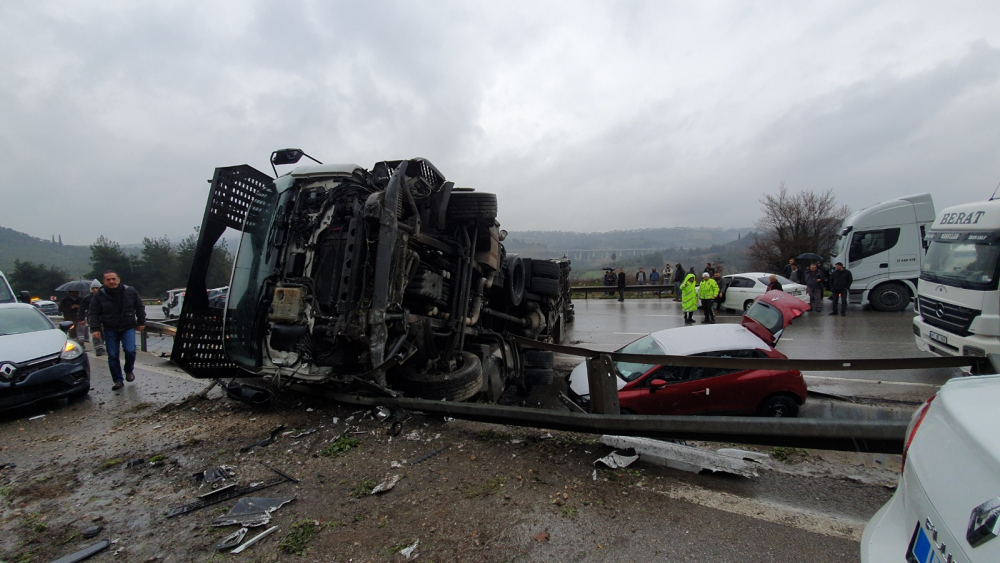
606, 324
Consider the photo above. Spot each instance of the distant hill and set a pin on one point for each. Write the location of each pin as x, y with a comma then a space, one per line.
15, 245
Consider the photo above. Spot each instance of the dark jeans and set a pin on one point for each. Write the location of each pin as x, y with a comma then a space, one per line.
126, 338
842, 294
621, 293
706, 305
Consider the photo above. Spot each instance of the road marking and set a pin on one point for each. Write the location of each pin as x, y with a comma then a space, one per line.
775, 513
871, 381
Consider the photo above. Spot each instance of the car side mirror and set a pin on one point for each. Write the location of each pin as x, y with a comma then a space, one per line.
657, 384
64, 326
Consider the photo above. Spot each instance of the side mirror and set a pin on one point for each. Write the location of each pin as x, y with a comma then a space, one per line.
657, 384
64, 326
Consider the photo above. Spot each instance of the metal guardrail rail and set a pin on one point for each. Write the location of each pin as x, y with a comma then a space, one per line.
659, 290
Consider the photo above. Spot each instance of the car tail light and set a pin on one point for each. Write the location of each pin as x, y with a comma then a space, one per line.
911, 430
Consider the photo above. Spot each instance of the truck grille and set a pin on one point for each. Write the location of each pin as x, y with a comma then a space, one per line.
953, 318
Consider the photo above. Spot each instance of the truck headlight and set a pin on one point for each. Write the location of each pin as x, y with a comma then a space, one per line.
71, 351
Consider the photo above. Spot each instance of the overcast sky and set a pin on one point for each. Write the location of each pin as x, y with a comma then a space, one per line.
584, 116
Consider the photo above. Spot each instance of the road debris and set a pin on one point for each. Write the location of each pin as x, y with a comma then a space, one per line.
541, 537
135, 462
429, 455
303, 433
386, 486
232, 493
84, 553
251, 512
265, 442
36, 417
232, 540
91, 532
617, 460
255, 539
408, 552
215, 474
683, 457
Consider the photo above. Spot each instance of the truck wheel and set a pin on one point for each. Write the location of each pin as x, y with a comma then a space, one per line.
889, 297
538, 376
544, 286
538, 359
780, 406
515, 279
458, 385
545, 269
472, 206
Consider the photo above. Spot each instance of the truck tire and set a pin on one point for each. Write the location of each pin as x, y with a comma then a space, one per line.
515, 279
539, 376
472, 206
544, 286
545, 269
889, 297
458, 385
538, 359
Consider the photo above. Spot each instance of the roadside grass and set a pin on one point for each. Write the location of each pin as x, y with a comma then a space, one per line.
296, 541
340, 446
484, 488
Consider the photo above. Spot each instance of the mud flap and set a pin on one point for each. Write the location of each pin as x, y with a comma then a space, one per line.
198, 345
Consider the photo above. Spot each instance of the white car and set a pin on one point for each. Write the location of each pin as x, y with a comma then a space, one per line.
947, 504
741, 289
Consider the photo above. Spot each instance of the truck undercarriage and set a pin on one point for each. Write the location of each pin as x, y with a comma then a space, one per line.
389, 282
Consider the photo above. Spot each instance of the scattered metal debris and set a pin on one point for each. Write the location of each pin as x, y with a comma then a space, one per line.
91, 532
255, 539
303, 433
617, 460
386, 485
429, 455
266, 441
381, 413
251, 512
232, 540
683, 457
84, 553
407, 552
232, 493
216, 474
217, 491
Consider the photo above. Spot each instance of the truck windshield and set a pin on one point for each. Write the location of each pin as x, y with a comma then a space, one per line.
967, 260
255, 259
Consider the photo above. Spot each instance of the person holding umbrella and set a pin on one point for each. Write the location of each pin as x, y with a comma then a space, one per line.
82, 320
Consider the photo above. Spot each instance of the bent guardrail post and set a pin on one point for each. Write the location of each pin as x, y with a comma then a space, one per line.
603, 387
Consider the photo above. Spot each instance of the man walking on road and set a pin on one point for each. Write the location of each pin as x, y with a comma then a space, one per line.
116, 311
813, 278
840, 283
621, 284
707, 292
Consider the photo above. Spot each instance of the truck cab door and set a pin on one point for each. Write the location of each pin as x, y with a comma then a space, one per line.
868, 254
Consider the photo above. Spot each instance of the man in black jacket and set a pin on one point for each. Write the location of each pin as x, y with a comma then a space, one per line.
840, 283
116, 311
621, 284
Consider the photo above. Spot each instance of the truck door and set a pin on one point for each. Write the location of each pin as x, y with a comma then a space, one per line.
868, 255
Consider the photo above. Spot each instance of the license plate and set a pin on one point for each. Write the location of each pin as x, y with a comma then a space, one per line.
921, 549
938, 337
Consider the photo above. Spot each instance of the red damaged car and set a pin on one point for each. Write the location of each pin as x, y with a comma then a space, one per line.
655, 389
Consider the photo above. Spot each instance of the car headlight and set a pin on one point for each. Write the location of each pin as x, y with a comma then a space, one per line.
71, 351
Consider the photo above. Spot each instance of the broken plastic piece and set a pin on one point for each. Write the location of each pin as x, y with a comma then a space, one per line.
251, 512
36, 417
84, 553
382, 413
215, 474
231, 494
407, 552
386, 485
232, 540
255, 539
617, 460
265, 442
217, 491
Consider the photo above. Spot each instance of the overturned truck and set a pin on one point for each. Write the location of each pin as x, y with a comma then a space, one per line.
390, 281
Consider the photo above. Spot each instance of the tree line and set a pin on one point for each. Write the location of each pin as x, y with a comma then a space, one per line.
160, 265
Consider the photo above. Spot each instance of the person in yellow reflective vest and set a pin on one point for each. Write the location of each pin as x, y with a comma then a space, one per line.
689, 298
707, 292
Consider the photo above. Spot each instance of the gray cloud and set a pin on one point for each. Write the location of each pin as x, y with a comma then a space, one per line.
582, 116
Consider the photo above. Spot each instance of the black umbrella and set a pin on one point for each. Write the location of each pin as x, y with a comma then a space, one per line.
809, 256
76, 285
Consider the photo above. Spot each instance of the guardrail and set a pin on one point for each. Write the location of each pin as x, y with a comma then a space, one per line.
660, 290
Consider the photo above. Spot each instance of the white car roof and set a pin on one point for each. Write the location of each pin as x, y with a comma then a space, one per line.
689, 340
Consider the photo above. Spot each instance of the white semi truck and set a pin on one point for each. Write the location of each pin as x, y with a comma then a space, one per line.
958, 310
883, 246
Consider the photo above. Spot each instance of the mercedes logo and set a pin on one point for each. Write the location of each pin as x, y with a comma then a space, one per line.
7, 369
939, 310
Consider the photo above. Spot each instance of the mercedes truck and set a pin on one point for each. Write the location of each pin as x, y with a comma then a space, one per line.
958, 305
883, 246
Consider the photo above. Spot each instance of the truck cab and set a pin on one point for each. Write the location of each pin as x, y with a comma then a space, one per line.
958, 303
883, 247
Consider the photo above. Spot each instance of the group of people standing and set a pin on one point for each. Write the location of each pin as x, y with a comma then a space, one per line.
816, 279
113, 311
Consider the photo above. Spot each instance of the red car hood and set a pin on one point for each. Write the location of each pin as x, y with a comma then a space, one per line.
771, 313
